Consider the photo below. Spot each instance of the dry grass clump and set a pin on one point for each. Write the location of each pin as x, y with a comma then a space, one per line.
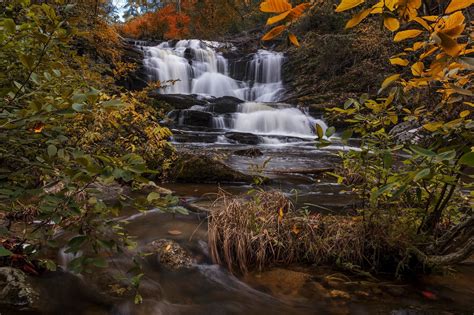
267, 230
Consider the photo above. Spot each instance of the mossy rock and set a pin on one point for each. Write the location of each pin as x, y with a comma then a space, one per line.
192, 168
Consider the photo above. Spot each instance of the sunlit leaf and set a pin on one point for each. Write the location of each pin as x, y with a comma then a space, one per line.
277, 18
433, 126
456, 5
275, 6
391, 23
464, 113
417, 69
274, 32
348, 4
402, 35
388, 81
356, 19
293, 39
399, 61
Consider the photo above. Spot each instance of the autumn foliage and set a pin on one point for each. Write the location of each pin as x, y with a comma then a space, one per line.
166, 23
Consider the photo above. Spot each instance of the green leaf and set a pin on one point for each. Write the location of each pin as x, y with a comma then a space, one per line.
27, 60
75, 243
9, 25
78, 107
52, 150
330, 131
385, 188
180, 210
422, 174
5, 252
346, 134
387, 160
467, 159
446, 156
153, 196
421, 151
99, 262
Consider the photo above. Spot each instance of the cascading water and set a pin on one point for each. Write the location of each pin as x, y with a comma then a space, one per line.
202, 70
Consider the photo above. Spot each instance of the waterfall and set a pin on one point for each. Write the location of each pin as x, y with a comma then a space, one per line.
260, 118
201, 69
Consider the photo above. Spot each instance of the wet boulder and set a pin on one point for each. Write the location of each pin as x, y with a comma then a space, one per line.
224, 105
191, 118
179, 101
191, 168
170, 254
243, 138
16, 290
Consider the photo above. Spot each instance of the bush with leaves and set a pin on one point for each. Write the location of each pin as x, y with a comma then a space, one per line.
60, 139
429, 183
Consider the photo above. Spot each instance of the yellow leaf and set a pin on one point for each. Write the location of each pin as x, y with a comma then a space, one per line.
277, 18
275, 6
274, 32
297, 11
356, 19
449, 45
453, 20
294, 40
429, 52
406, 34
393, 119
464, 113
431, 18
456, 5
417, 69
348, 4
390, 4
399, 62
422, 23
433, 126
389, 80
469, 104
391, 23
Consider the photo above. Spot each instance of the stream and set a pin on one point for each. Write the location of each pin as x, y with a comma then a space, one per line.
239, 108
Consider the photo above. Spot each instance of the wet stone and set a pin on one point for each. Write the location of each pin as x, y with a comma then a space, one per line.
16, 290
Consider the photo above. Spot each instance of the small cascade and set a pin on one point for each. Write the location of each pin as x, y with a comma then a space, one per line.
201, 69
260, 118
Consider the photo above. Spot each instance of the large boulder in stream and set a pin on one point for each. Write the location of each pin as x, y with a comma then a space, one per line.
179, 101
243, 137
190, 117
192, 168
16, 290
224, 105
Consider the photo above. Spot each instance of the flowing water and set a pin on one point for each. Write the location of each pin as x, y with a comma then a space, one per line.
285, 136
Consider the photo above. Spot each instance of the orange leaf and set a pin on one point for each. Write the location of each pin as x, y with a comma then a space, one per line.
297, 11
348, 4
278, 18
456, 5
294, 40
399, 62
356, 19
275, 6
38, 127
406, 34
391, 23
274, 32
417, 69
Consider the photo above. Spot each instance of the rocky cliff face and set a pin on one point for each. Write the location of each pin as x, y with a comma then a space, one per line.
334, 64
